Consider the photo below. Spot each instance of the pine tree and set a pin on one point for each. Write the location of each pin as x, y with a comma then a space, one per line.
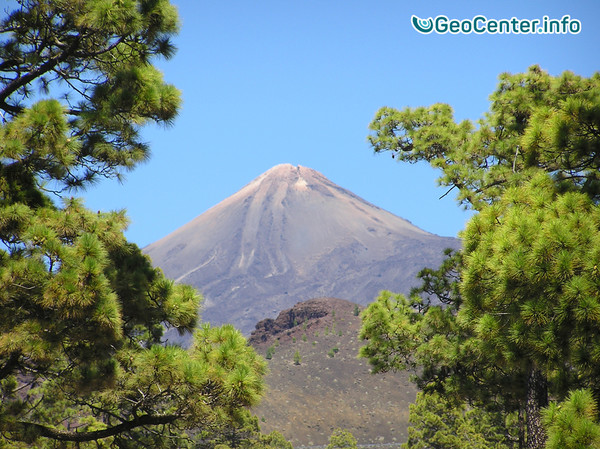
341, 439
535, 122
520, 308
82, 311
531, 289
573, 424
442, 424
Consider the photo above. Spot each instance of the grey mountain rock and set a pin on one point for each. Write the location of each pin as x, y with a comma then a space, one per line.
288, 236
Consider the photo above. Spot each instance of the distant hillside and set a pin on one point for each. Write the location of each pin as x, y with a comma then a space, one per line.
329, 388
289, 235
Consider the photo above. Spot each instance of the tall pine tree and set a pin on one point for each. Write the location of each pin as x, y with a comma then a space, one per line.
522, 307
82, 311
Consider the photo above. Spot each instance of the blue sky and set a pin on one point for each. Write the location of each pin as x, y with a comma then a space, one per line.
298, 81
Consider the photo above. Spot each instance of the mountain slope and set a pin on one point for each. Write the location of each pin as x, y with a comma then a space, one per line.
290, 235
330, 387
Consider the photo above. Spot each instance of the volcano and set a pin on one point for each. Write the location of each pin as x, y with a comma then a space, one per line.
288, 236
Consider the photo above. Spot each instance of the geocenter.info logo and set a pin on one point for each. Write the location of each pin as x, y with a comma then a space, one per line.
483, 25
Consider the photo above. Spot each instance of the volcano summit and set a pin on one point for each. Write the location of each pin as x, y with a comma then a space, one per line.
288, 236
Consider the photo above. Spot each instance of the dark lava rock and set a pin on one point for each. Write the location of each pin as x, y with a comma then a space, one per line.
290, 318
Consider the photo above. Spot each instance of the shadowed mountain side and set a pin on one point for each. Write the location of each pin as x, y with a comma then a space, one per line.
289, 235
330, 387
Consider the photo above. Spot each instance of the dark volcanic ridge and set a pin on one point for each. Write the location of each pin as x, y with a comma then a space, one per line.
330, 387
289, 235
307, 312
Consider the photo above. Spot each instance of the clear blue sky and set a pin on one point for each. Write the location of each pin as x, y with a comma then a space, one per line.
298, 81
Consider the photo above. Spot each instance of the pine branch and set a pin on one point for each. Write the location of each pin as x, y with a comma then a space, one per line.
65, 435
21, 81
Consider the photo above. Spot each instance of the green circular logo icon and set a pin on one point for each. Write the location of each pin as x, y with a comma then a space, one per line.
424, 26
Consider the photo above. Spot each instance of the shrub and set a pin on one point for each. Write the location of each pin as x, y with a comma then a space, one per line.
270, 352
342, 439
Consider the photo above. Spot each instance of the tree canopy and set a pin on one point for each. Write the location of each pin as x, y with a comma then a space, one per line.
535, 122
513, 318
440, 423
95, 57
82, 310
341, 439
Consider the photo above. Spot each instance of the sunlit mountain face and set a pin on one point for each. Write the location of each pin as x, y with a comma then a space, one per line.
288, 236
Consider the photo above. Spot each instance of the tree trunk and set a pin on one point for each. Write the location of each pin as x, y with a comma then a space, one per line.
537, 398
521, 428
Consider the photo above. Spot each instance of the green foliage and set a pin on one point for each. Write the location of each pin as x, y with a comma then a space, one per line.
573, 423
441, 424
304, 338
83, 311
341, 439
235, 370
98, 54
246, 435
205, 388
273, 440
530, 282
536, 122
519, 315
528, 288
333, 351
393, 333
257, 440
297, 358
356, 310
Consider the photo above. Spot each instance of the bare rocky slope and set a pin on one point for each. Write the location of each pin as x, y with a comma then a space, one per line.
288, 236
330, 387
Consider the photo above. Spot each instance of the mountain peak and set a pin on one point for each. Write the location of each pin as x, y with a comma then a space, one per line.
298, 176
282, 169
289, 174
290, 235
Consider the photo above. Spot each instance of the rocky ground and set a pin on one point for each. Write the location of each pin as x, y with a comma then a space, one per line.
330, 387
